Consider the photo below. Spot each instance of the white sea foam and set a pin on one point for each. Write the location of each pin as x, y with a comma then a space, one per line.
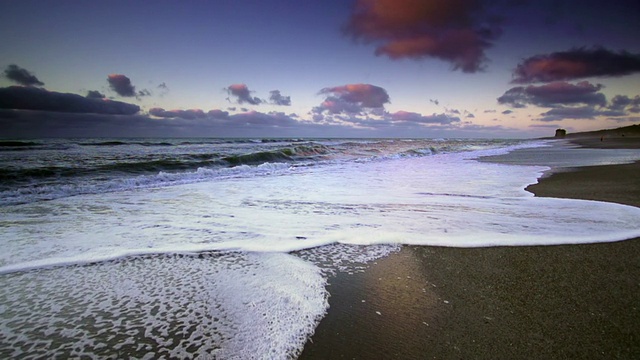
222, 306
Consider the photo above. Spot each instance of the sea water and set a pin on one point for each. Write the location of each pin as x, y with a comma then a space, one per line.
222, 249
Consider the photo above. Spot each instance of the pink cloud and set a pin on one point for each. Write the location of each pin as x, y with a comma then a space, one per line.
353, 99
456, 31
364, 95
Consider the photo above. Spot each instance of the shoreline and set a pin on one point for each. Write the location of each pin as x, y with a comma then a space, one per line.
562, 301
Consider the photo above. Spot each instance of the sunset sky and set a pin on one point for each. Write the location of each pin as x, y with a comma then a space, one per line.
365, 68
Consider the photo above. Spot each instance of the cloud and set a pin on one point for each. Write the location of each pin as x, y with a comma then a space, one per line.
334, 105
271, 119
183, 114
95, 94
406, 116
277, 99
489, 111
507, 112
30, 98
21, 76
582, 112
623, 102
456, 31
554, 94
163, 89
190, 114
276, 119
121, 85
218, 114
243, 95
576, 64
24, 123
352, 99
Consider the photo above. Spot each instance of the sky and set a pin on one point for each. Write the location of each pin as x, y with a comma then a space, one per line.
334, 68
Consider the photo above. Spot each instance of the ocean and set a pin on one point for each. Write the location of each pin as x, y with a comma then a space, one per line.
222, 248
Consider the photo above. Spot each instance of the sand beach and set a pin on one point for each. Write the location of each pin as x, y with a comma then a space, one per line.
543, 302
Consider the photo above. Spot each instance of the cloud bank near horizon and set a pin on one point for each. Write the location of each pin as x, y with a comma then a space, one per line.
349, 110
31, 98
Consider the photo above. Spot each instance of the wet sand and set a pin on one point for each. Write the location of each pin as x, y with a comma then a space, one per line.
552, 302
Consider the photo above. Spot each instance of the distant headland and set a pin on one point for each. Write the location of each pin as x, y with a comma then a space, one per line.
622, 137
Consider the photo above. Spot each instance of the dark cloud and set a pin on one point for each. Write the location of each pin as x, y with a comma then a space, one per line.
25, 123
507, 112
218, 114
36, 124
434, 101
623, 102
574, 103
353, 99
456, 31
183, 114
163, 86
30, 98
335, 105
243, 95
576, 64
406, 116
21, 76
582, 112
554, 94
190, 114
95, 94
277, 99
250, 117
271, 119
470, 116
123, 87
